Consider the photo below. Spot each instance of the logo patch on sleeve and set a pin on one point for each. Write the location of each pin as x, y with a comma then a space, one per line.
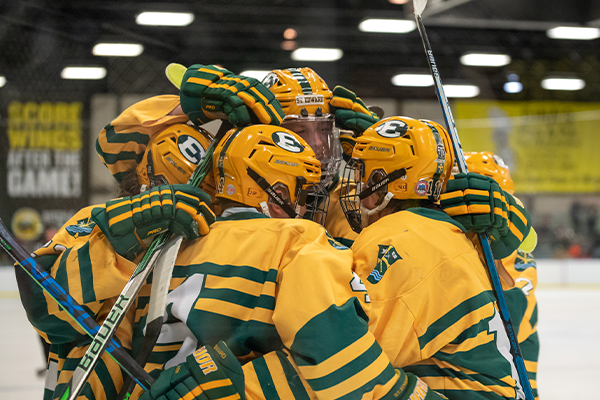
386, 257
83, 228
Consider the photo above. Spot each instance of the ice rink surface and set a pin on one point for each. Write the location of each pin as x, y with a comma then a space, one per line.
569, 364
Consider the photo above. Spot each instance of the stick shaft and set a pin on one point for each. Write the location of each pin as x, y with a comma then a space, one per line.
18, 253
485, 244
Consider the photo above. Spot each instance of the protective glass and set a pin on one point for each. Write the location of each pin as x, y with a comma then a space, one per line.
323, 138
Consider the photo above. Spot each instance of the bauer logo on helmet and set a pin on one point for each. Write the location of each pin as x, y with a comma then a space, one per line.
287, 142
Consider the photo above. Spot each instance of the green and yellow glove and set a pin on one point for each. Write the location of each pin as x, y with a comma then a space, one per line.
478, 203
350, 111
128, 221
412, 387
210, 92
207, 374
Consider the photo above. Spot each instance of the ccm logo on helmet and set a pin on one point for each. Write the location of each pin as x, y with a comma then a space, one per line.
287, 142
191, 148
392, 129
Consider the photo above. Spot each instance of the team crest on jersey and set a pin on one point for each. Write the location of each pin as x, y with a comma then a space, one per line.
386, 257
287, 142
190, 148
392, 129
83, 228
334, 243
524, 261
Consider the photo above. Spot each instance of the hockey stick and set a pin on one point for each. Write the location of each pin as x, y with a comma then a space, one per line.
130, 292
515, 351
159, 290
18, 253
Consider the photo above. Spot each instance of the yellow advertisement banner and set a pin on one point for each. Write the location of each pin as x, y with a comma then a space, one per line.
549, 146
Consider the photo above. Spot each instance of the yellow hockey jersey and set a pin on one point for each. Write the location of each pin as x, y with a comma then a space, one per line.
82, 261
522, 307
432, 308
122, 143
260, 284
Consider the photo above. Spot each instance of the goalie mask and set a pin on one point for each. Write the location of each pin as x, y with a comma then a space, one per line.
492, 165
261, 163
398, 158
304, 97
172, 155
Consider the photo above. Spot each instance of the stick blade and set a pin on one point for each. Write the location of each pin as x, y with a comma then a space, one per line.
174, 73
419, 6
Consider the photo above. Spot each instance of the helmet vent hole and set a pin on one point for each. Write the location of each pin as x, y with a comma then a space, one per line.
412, 149
252, 153
265, 143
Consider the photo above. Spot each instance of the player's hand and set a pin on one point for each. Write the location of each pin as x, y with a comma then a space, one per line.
478, 203
207, 374
210, 92
411, 387
128, 221
350, 111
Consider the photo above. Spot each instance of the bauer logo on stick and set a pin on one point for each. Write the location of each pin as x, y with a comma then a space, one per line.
287, 142
392, 129
191, 148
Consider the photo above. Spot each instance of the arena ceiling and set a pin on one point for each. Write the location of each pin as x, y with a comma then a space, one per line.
38, 38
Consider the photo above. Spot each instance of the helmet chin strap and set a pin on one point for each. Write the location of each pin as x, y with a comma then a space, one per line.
264, 208
365, 212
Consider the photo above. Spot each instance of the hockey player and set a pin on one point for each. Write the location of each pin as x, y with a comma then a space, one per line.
432, 309
316, 113
94, 265
241, 283
520, 265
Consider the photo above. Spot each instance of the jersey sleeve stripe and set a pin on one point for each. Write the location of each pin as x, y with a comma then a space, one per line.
453, 316
343, 357
264, 378
86, 273
239, 284
235, 311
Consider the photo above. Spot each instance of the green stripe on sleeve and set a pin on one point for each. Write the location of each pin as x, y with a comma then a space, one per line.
453, 316
294, 381
264, 378
113, 137
86, 273
61, 274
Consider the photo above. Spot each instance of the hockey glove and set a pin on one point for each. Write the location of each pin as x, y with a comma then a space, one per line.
412, 387
206, 374
347, 141
211, 92
128, 221
350, 111
478, 203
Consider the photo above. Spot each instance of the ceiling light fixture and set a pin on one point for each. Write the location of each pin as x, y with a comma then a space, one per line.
461, 91
387, 25
563, 84
290, 34
316, 54
573, 33
118, 49
83, 73
255, 73
164, 18
412, 80
513, 87
2, 81
289, 45
485, 59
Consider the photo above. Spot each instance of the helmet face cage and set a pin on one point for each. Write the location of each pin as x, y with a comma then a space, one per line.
352, 176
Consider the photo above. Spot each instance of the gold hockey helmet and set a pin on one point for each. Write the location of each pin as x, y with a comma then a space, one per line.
492, 165
403, 157
252, 164
172, 155
304, 97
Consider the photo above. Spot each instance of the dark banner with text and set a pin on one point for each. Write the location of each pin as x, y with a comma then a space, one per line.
44, 167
